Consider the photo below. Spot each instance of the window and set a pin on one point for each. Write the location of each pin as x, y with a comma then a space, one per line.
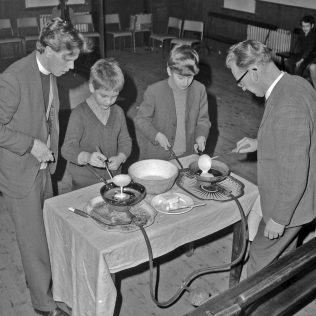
241, 5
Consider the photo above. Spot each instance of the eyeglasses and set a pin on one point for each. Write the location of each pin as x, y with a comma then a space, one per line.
242, 77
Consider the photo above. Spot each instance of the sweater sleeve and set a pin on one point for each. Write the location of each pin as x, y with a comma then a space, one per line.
124, 140
203, 122
70, 148
144, 117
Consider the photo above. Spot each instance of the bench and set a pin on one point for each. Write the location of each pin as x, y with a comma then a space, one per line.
229, 18
282, 288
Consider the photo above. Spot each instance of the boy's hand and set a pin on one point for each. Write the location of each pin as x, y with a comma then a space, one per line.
200, 144
162, 140
115, 161
96, 159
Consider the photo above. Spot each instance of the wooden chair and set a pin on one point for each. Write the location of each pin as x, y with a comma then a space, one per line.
140, 23
84, 24
7, 36
113, 21
173, 31
28, 29
192, 33
281, 288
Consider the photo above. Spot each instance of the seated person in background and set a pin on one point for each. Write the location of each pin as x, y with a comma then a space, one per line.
174, 112
97, 128
304, 49
312, 72
69, 13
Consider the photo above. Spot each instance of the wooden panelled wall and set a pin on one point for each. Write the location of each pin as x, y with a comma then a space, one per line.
285, 17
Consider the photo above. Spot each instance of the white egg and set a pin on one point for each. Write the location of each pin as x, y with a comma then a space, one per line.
205, 163
122, 180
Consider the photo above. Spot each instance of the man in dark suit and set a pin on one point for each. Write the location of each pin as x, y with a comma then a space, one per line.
286, 145
29, 132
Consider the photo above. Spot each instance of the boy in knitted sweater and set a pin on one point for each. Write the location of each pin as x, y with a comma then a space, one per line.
97, 129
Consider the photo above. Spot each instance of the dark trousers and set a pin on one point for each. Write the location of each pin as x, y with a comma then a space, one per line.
264, 251
27, 215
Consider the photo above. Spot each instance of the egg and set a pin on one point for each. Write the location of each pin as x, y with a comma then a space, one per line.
205, 163
122, 180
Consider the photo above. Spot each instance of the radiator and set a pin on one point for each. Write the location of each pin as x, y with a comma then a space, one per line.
278, 41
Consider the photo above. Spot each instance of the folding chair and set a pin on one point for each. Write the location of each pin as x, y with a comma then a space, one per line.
28, 29
192, 33
113, 28
173, 31
140, 23
7, 36
84, 24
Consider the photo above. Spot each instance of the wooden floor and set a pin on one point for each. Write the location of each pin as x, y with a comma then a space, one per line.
234, 114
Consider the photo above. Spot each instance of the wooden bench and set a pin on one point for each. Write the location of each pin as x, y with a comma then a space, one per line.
229, 18
282, 288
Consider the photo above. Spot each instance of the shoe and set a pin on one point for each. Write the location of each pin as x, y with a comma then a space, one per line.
57, 312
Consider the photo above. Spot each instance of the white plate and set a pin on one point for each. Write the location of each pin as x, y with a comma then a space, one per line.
184, 200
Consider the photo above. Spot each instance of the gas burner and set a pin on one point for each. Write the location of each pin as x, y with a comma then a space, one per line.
220, 191
211, 188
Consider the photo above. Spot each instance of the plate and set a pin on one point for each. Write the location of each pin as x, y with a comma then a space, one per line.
184, 200
102, 216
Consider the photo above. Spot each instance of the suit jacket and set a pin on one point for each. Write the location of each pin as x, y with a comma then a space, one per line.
22, 118
157, 113
287, 153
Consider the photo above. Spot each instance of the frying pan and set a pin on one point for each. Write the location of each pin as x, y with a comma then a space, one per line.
219, 170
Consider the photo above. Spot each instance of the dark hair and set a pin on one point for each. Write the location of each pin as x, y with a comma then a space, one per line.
107, 74
308, 19
61, 35
183, 60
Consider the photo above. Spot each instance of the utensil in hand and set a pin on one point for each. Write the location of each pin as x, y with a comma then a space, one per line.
224, 154
105, 162
91, 169
79, 212
175, 157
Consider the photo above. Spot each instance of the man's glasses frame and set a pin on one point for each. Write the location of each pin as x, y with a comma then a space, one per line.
243, 76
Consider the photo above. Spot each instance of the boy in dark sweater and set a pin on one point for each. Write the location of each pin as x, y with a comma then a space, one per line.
97, 128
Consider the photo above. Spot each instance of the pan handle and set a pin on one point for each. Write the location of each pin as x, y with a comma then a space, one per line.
91, 169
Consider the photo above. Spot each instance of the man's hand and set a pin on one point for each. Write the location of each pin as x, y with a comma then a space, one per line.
162, 140
41, 152
200, 144
246, 145
273, 230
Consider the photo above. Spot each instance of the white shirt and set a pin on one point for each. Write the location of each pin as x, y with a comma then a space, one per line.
267, 94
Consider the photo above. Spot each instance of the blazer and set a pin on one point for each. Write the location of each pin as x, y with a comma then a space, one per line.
157, 113
22, 118
287, 153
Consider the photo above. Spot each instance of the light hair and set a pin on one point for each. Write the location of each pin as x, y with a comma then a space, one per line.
60, 35
183, 60
107, 74
247, 53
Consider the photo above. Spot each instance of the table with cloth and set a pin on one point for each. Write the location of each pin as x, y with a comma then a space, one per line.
83, 256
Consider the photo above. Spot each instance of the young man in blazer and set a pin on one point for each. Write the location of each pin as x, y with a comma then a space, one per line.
286, 145
29, 132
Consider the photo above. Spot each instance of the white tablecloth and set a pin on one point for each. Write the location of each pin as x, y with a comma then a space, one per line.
83, 256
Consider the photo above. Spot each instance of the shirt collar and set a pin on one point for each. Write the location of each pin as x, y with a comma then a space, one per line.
267, 94
41, 68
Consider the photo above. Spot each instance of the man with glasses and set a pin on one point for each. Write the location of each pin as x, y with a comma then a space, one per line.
29, 133
286, 145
